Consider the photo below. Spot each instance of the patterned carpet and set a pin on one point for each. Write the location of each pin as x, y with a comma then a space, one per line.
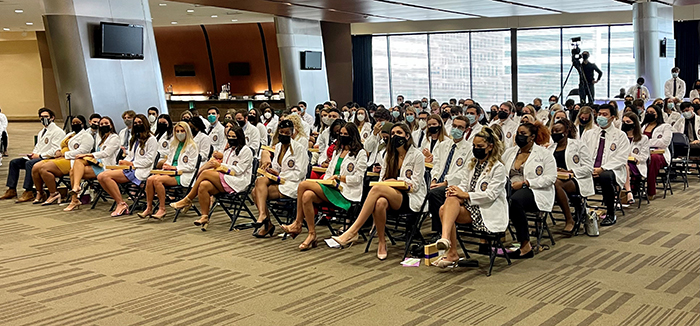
86, 268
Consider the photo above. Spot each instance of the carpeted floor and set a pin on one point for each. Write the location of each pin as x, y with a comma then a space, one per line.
86, 268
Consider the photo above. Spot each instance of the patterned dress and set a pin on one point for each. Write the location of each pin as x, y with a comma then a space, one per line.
477, 219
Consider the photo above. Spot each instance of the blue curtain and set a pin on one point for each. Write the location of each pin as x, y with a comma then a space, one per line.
362, 86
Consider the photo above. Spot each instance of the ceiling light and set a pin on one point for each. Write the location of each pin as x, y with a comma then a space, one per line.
18, 11
190, 10
214, 16
29, 23
234, 20
162, 4
6, 29
173, 23
331, 9
288, 3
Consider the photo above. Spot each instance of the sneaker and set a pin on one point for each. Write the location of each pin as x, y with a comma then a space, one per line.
609, 220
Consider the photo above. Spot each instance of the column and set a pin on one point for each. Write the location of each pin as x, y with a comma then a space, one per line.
105, 86
652, 22
293, 37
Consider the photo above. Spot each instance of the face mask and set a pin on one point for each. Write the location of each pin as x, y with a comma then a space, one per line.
395, 114
267, 115
371, 114
45, 121
640, 83
675, 75
649, 118
344, 140
556, 137
502, 115
669, 106
602, 121
76, 128
552, 103
232, 142
129, 123
139, 129
162, 127
398, 141
94, 126
521, 140
456, 133
584, 121
211, 118
557, 120
410, 118
181, 136
627, 127
479, 153
241, 122
584, 56
105, 129
434, 130
295, 113
481, 117
471, 118
552, 113
360, 117
697, 86
688, 114
424, 104
284, 139
422, 124
151, 118
346, 114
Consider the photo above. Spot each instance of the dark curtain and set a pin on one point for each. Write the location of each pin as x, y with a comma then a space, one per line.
687, 35
362, 88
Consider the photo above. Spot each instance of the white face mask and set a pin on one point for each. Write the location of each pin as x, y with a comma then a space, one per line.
346, 114
360, 117
267, 115
675, 75
151, 118
422, 124
181, 136
688, 114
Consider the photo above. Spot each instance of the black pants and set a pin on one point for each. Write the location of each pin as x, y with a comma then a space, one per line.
522, 201
13, 173
586, 90
607, 183
694, 150
3, 142
436, 198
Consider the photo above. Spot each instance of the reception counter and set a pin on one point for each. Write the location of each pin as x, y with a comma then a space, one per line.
176, 107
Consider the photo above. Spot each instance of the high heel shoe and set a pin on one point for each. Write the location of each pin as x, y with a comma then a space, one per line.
381, 256
159, 217
40, 198
306, 246
203, 222
269, 227
443, 244
53, 198
144, 214
444, 263
121, 209
72, 206
183, 205
286, 230
346, 244
74, 192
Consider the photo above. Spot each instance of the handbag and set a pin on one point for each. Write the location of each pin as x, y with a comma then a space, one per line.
591, 224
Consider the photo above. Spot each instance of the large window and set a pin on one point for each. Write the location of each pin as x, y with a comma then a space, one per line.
478, 64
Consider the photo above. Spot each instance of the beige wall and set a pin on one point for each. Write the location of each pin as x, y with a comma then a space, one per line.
21, 83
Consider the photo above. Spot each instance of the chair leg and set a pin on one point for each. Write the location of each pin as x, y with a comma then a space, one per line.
371, 236
492, 257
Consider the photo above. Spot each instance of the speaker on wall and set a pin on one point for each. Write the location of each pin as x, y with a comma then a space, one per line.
184, 71
239, 69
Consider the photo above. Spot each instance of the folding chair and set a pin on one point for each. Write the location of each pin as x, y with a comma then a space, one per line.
176, 193
664, 176
234, 205
132, 191
405, 225
599, 192
680, 159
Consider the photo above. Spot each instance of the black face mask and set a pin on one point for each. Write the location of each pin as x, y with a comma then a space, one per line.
105, 129
556, 137
76, 128
45, 121
479, 153
502, 114
627, 127
584, 121
344, 140
241, 123
537, 107
445, 115
194, 131
398, 141
649, 118
519, 113
521, 140
284, 139
162, 128
187, 120
94, 126
434, 130
697, 86
232, 142
139, 129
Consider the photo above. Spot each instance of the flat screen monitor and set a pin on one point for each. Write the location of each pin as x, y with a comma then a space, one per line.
120, 41
311, 60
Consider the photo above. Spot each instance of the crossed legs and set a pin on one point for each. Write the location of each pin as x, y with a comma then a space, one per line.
450, 213
308, 194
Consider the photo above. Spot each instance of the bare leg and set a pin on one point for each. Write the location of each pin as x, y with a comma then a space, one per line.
149, 195
369, 207
260, 197
49, 173
110, 180
77, 172
563, 201
159, 184
450, 213
36, 177
310, 193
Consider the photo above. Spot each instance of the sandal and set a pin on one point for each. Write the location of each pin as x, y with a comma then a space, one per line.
121, 209
444, 263
306, 246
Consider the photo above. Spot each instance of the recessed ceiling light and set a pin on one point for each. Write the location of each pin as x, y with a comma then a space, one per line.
234, 20
29, 23
190, 10
331, 9
6, 29
162, 4
173, 23
18, 11
214, 16
288, 3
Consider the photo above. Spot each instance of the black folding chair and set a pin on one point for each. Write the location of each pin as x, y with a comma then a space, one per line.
664, 176
681, 156
404, 226
132, 191
176, 193
234, 204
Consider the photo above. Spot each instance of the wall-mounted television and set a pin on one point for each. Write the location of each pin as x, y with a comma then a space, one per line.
120, 41
311, 60
239, 69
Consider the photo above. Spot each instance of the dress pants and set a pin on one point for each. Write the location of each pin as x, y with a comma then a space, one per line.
436, 198
522, 201
656, 162
607, 185
13, 174
583, 90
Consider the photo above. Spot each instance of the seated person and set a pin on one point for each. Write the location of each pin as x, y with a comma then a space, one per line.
201, 139
472, 113
571, 156
374, 141
324, 158
48, 143
290, 162
182, 158
79, 141
420, 134
363, 123
374, 163
689, 125
449, 159
269, 118
584, 121
142, 151
164, 135
300, 132
436, 135
608, 148
347, 166
532, 171
478, 199
639, 154
230, 173
252, 135
660, 135
403, 162
105, 153
508, 126
215, 130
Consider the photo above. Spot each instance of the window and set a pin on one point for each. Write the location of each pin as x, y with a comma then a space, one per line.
539, 64
595, 41
622, 74
409, 66
491, 82
449, 66
380, 70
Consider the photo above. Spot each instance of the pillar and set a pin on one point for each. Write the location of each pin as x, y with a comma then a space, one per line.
105, 86
293, 37
652, 22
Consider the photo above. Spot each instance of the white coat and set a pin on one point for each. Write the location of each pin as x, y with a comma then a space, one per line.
365, 131
293, 168
680, 126
353, 168
640, 151
3, 122
322, 142
413, 173
460, 159
47, 145
680, 88
82, 143
164, 146
540, 171
271, 125
252, 136
578, 159
186, 162
672, 118
615, 154
108, 150
241, 165
476, 128
124, 138
509, 129
489, 194
661, 138
143, 157
218, 139
418, 141
203, 145
264, 141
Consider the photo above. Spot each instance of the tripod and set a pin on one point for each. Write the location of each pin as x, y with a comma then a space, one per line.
69, 119
587, 92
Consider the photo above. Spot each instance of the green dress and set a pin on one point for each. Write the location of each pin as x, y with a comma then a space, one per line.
176, 157
334, 196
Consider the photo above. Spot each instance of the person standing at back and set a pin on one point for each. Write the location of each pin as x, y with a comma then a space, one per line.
675, 87
585, 86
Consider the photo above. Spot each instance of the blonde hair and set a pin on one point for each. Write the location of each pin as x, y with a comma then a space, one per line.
413, 125
554, 108
530, 118
189, 141
490, 137
298, 127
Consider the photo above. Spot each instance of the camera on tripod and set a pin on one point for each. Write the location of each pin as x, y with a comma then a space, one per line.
576, 50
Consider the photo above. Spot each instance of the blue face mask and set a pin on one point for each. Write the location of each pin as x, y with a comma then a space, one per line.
471, 118
602, 121
457, 133
395, 114
552, 113
211, 118
409, 118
